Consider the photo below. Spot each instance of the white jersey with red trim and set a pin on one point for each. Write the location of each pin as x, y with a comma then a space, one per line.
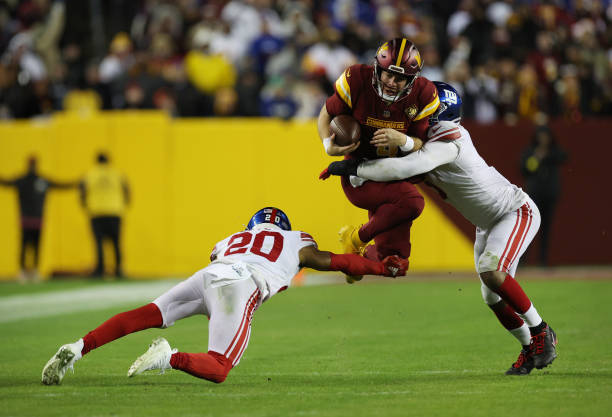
266, 253
454, 167
473, 187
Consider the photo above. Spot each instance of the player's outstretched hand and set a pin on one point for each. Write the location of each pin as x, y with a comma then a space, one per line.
345, 167
395, 266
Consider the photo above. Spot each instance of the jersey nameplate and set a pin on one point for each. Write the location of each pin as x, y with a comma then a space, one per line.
380, 124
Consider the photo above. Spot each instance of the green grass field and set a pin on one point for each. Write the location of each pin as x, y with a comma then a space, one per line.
403, 348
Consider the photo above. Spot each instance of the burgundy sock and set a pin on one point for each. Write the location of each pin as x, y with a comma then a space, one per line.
507, 316
122, 324
211, 366
512, 293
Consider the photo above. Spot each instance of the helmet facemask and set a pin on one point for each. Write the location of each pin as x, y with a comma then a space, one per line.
378, 83
434, 118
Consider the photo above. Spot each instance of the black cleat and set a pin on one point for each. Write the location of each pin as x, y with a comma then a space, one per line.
543, 347
524, 363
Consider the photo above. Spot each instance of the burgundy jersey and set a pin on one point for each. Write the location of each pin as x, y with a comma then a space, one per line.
355, 95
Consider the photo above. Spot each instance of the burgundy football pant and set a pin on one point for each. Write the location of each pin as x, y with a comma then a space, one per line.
392, 206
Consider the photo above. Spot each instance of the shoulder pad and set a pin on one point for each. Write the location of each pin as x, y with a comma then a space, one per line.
443, 131
428, 98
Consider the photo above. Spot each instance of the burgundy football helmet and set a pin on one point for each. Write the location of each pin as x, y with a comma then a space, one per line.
398, 56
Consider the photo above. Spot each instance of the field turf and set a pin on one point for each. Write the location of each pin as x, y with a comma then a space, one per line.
405, 348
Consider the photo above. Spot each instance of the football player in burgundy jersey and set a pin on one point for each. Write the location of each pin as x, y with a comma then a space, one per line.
391, 102
247, 269
505, 217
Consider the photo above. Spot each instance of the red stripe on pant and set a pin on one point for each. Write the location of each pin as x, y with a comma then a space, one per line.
244, 345
528, 213
515, 238
509, 242
236, 353
244, 315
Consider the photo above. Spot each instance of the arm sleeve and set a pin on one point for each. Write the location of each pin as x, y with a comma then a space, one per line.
353, 264
8, 183
58, 184
429, 157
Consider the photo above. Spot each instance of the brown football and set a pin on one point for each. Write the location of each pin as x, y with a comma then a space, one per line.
346, 128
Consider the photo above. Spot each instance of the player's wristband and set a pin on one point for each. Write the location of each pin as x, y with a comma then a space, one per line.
408, 146
327, 143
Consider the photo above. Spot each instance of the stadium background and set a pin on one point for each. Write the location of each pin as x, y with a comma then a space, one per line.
202, 153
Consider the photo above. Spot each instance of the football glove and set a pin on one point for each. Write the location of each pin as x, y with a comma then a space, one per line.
342, 168
395, 266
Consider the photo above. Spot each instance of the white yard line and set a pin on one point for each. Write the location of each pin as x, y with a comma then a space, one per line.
55, 303
19, 307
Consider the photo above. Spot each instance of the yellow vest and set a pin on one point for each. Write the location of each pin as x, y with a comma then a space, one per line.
104, 189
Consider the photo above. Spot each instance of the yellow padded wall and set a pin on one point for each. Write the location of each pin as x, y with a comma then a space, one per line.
193, 182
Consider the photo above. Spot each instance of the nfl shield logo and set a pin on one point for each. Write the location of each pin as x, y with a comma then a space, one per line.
386, 113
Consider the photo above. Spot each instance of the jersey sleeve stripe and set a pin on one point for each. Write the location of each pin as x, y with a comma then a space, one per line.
306, 237
344, 90
429, 109
447, 135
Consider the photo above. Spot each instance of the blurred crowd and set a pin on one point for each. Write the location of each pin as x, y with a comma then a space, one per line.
280, 58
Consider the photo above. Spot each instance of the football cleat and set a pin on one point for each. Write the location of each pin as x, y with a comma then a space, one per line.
543, 347
64, 359
156, 357
523, 365
350, 241
351, 279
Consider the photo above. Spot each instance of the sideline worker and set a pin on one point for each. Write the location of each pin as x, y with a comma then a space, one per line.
105, 195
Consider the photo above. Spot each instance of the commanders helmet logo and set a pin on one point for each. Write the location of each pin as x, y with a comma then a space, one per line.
383, 47
417, 56
411, 112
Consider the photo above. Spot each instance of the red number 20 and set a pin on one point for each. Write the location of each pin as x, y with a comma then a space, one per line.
239, 244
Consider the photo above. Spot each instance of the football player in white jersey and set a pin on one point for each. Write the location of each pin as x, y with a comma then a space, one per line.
506, 219
247, 269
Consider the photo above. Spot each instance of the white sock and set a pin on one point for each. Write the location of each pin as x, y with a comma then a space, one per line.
531, 317
79, 344
522, 334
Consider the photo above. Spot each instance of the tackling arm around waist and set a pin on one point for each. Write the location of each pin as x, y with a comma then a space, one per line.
429, 157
